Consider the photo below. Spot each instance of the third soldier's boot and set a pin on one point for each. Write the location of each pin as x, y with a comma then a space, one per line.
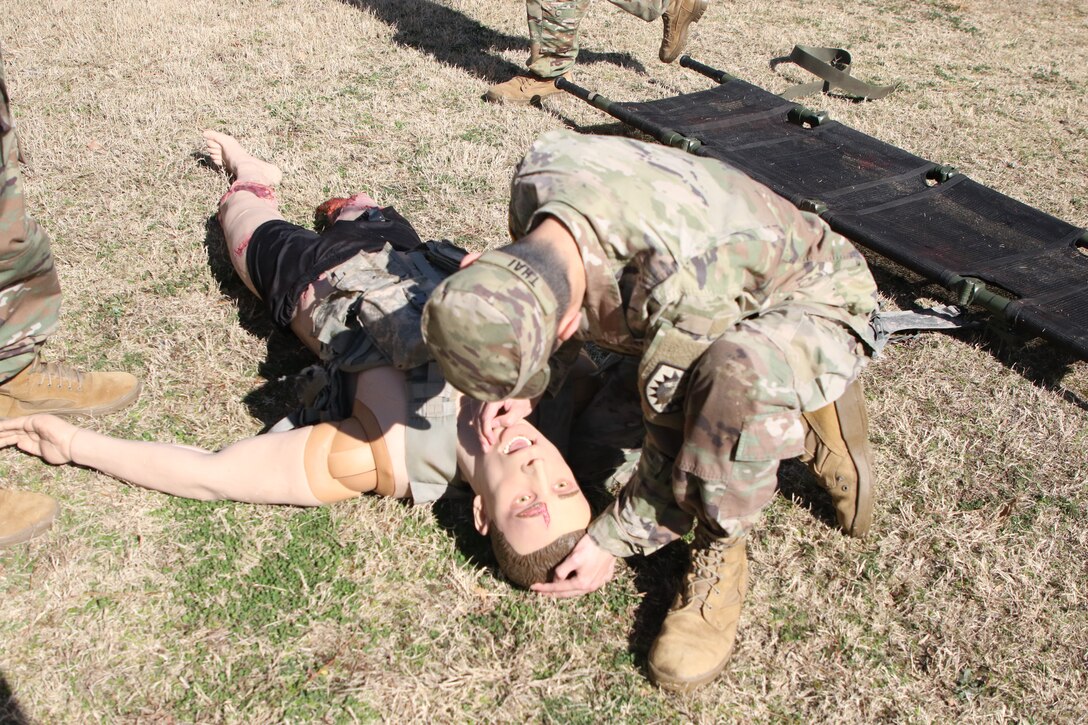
523, 89
44, 387
697, 636
24, 515
677, 18
837, 451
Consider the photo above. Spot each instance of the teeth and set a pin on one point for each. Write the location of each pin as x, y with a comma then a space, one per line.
516, 443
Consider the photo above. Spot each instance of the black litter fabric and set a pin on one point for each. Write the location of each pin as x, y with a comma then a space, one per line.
892, 201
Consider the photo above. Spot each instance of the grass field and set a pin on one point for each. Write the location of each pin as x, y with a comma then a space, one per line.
967, 603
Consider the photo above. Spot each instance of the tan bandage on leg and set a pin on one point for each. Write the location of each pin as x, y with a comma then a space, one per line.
350, 457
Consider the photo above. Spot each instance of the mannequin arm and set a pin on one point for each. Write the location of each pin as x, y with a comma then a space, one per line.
262, 469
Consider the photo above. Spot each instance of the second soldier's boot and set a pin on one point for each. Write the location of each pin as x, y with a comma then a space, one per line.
523, 90
838, 453
678, 17
43, 387
24, 515
697, 637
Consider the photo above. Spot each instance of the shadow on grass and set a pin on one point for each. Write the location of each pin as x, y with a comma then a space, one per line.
797, 485
454, 515
601, 129
455, 39
284, 355
657, 577
10, 712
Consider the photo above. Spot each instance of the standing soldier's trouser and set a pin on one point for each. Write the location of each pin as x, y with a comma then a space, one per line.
29, 288
742, 412
553, 30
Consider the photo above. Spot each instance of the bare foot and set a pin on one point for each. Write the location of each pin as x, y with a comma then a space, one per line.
229, 155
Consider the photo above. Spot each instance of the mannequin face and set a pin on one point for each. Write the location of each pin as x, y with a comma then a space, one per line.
527, 491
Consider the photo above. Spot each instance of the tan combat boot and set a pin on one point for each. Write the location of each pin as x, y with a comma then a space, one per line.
837, 451
523, 90
55, 388
677, 18
24, 515
697, 637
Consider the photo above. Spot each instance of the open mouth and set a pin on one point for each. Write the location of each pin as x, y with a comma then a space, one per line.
516, 443
537, 509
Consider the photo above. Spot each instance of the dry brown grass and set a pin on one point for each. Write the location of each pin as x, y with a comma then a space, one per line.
968, 602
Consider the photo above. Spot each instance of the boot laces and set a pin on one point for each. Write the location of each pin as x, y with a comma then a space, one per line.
667, 33
56, 375
703, 579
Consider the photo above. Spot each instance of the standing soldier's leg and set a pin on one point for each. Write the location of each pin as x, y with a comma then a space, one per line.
29, 288
553, 48
29, 305
678, 18
676, 15
553, 41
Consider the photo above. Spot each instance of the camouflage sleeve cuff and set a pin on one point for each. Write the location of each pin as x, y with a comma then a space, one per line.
607, 532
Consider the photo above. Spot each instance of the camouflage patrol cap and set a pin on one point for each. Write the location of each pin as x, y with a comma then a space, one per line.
491, 327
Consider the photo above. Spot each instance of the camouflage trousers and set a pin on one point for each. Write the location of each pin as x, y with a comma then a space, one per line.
29, 287
717, 461
553, 30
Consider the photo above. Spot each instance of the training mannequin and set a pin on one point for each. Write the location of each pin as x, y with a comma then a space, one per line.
361, 432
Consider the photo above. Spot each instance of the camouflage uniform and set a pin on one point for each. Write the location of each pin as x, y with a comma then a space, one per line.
29, 287
744, 311
553, 30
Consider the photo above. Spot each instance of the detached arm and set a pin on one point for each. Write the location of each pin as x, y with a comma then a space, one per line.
262, 469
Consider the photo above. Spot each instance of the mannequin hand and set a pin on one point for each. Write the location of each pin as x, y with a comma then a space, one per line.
592, 567
45, 436
493, 417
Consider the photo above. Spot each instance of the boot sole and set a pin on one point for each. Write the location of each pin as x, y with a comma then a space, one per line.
29, 533
684, 686
696, 14
854, 424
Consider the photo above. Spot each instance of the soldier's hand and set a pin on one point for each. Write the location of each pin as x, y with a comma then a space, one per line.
493, 417
45, 436
586, 569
